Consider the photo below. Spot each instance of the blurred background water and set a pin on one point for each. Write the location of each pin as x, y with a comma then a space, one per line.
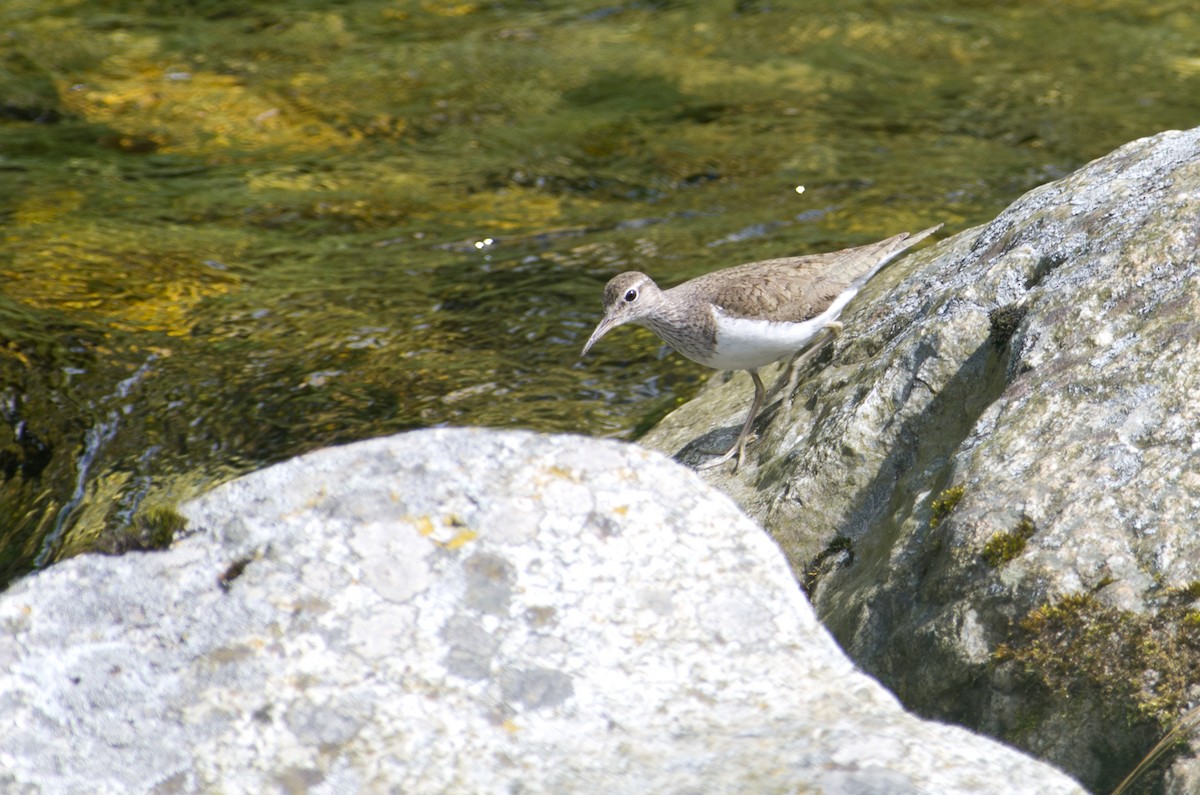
236, 232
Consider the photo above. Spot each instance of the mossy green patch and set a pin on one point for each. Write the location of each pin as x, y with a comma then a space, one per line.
1007, 545
154, 528
944, 505
1141, 664
1004, 321
1189, 592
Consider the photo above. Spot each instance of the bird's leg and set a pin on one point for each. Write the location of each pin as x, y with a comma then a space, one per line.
830, 332
739, 447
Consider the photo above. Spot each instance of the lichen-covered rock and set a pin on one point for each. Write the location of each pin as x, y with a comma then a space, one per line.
991, 485
458, 611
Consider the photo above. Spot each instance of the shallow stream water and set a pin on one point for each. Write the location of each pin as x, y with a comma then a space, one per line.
233, 233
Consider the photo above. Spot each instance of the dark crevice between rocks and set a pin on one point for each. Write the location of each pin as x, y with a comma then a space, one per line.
1046, 265
920, 463
896, 582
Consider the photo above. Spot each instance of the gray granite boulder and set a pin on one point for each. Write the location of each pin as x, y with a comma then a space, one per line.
991, 484
458, 611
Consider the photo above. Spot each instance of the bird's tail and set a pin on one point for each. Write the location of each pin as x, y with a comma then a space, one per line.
891, 248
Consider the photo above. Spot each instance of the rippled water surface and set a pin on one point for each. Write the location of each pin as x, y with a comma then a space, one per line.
236, 232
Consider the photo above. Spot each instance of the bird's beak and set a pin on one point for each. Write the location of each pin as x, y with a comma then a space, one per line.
602, 328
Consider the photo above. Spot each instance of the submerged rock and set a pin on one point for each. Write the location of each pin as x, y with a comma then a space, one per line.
458, 611
991, 485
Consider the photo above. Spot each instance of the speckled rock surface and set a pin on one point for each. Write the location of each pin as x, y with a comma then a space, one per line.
458, 611
1045, 367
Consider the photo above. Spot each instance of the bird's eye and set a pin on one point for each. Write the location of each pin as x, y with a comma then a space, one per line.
631, 296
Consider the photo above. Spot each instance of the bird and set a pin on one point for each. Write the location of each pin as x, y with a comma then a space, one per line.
748, 316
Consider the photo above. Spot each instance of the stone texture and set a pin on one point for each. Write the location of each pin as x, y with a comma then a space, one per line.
458, 611
1046, 364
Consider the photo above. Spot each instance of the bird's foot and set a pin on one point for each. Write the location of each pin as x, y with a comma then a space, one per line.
737, 452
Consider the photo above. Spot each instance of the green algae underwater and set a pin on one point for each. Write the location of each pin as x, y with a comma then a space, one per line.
233, 234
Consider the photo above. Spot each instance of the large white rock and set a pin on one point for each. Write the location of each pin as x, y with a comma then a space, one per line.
458, 611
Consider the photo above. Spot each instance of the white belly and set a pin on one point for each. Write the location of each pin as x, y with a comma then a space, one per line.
745, 344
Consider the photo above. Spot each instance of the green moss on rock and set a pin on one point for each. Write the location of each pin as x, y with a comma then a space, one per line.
1004, 321
1191, 591
1141, 665
943, 506
154, 528
1006, 545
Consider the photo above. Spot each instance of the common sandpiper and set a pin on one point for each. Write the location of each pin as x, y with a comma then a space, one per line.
748, 316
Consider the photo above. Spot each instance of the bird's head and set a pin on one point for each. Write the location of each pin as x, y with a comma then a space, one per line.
628, 298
